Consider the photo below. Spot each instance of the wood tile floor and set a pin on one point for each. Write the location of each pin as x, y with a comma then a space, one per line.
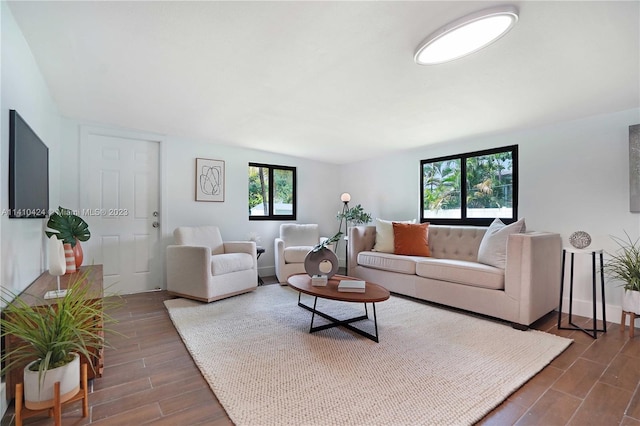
151, 379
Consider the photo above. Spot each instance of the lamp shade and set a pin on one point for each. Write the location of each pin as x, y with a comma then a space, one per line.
57, 263
345, 197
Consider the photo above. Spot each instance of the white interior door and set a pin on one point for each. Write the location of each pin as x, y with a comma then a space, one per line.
119, 199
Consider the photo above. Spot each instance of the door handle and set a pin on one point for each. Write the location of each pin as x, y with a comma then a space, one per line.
156, 224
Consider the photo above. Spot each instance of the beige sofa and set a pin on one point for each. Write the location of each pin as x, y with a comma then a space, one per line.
525, 290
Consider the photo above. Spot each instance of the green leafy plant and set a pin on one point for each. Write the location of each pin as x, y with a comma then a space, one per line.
624, 264
52, 330
324, 244
68, 227
356, 215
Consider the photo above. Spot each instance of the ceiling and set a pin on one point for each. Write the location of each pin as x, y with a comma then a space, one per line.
330, 81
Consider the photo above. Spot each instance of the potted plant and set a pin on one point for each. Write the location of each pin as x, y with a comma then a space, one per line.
55, 334
624, 266
356, 215
69, 228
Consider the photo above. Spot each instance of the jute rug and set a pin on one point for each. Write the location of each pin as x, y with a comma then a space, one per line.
431, 367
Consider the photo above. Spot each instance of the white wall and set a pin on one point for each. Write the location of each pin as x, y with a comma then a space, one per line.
318, 194
573, 176
22, 241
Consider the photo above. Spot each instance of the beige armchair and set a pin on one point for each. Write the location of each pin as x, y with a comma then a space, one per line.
201, 266
292, 246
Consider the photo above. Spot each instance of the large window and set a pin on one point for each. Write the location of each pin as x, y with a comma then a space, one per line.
471, 189
272, 192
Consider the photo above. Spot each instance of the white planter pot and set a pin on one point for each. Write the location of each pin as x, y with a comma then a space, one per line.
631, 301
38, 396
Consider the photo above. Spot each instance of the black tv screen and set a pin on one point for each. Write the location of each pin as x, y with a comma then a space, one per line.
28, 171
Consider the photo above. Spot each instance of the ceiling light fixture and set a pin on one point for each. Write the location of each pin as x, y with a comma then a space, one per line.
466, 35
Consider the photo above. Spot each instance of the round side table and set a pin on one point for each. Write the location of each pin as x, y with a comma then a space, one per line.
593, 332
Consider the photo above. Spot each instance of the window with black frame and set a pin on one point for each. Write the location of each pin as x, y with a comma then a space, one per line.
470, 189
272, 192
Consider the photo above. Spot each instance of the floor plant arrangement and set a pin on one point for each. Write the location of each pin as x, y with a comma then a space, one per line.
57, 334
624, 266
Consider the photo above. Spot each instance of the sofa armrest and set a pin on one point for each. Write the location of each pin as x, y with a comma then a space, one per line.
187, 266
240, 247
361, 238
532, 273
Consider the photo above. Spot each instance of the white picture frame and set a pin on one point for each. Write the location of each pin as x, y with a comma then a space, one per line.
209, 180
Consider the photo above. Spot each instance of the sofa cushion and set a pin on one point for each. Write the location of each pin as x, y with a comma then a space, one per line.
230, 262
296, 254
411, 239
384, 234
388, 262
493, 247
461, 272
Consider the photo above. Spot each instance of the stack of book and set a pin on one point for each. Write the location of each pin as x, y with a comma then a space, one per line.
351, 286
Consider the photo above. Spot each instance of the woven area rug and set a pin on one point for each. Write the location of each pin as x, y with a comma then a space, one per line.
431, 367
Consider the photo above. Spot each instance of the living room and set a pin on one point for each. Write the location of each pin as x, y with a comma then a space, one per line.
574, 166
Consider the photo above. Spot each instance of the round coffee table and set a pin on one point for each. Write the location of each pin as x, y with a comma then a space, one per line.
373, 293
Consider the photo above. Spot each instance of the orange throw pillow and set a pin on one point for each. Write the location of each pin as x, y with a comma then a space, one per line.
411, 239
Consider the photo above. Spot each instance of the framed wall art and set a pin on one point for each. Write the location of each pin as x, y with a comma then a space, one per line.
209, 180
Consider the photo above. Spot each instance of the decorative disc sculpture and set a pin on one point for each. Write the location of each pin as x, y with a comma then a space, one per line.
315, 262
320, 257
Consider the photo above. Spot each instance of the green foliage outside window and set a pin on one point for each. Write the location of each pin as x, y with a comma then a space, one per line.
271, 191
476, 185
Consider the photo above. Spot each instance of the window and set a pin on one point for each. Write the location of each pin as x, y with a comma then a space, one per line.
272, 192
470, 189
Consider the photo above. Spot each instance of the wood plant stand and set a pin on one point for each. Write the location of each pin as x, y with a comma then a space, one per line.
632, 322
55, 411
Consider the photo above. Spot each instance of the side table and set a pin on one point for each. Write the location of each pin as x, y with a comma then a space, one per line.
593, 332
259, 251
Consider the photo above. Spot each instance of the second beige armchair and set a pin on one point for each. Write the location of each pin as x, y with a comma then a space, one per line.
292, 246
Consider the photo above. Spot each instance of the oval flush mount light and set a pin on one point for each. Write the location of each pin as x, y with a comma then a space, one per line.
466, 35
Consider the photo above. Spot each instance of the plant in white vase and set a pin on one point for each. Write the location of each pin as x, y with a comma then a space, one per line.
624, 266
55, 333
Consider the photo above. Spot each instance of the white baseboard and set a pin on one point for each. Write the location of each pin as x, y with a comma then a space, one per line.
267, 271
584, 308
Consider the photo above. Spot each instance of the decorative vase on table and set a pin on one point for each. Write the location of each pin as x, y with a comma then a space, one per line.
321, 260
69, 258
78, 254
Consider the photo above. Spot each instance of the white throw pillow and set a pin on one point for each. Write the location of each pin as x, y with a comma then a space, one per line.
493, 247
384, 234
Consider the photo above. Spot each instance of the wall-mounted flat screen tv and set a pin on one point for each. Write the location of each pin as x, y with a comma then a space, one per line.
28, 171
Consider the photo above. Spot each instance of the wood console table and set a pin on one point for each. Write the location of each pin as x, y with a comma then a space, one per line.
34, 296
